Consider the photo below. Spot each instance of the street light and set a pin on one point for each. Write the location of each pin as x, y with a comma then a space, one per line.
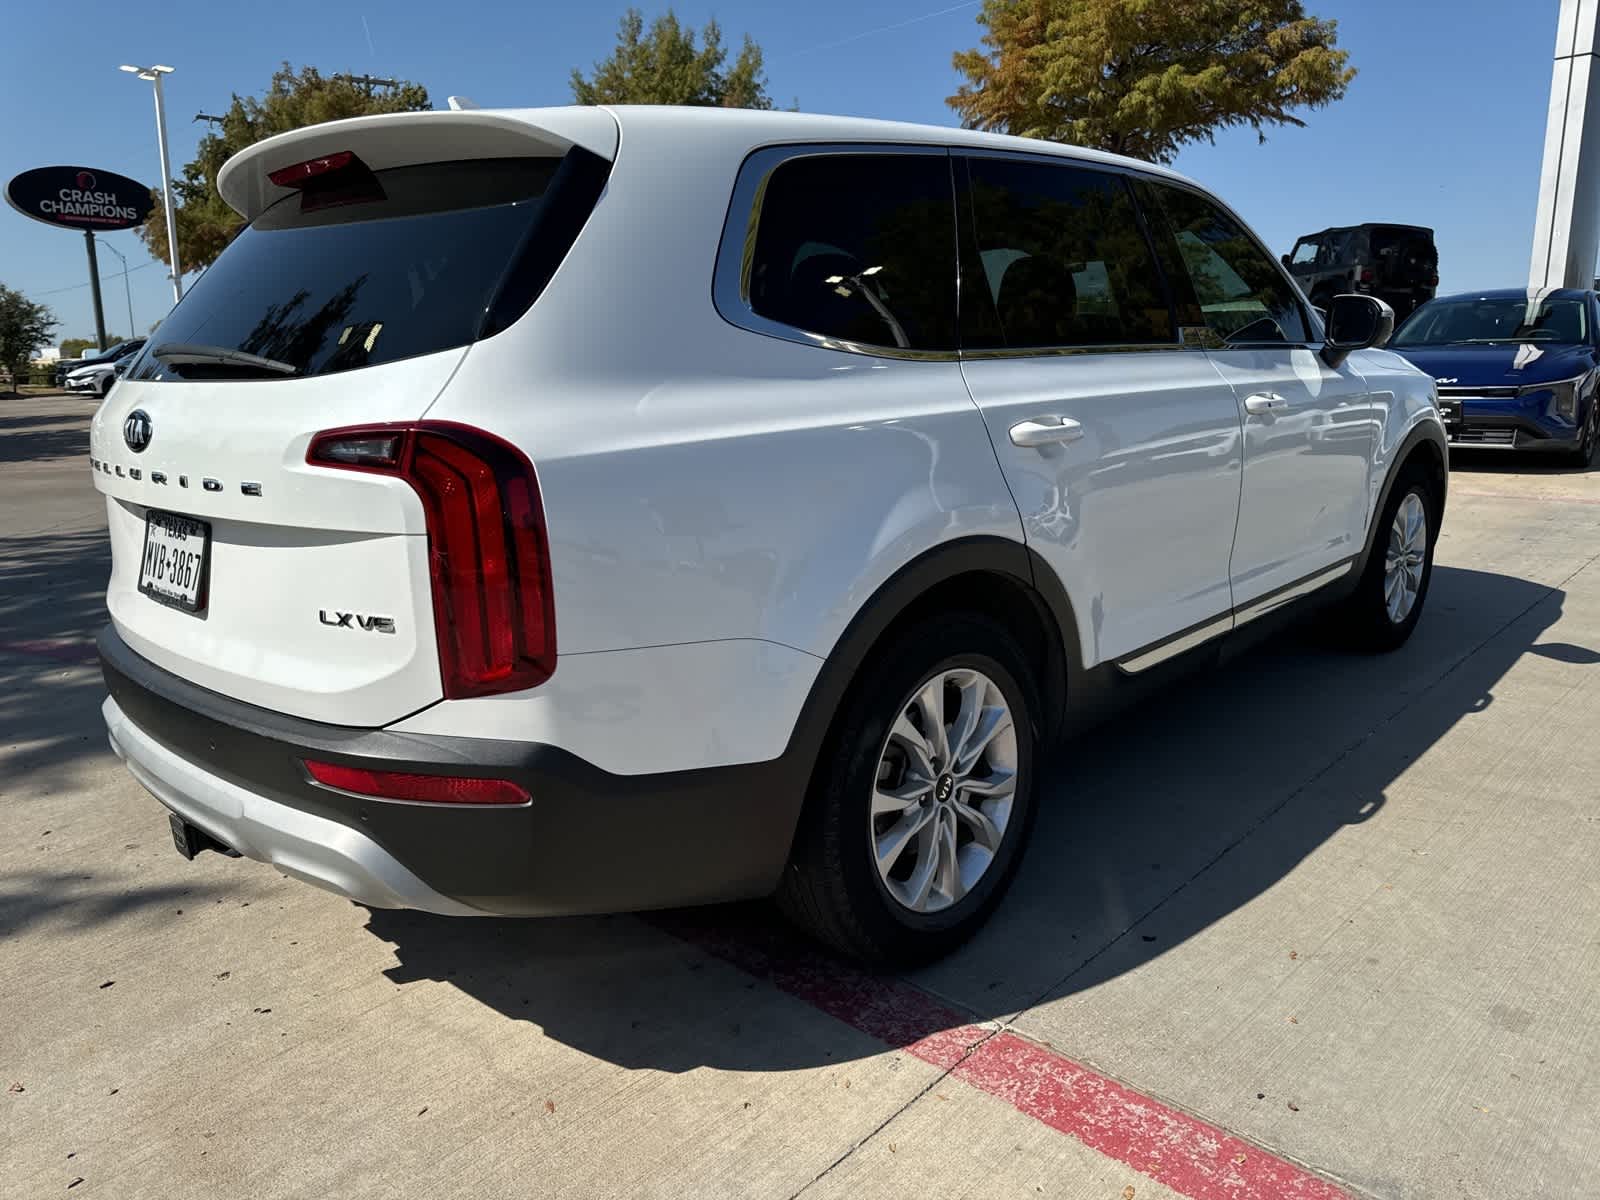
154, 74
132, 332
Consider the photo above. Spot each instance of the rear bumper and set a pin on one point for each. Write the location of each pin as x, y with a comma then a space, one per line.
589, 842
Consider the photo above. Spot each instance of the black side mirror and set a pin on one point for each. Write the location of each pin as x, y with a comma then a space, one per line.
121, 366
1355, 323
1284, 259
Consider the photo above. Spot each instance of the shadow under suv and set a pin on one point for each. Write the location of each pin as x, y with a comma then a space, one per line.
561, 510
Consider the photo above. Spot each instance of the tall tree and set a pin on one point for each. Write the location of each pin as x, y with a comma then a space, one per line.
293, 99
664, 66
1147, 77
24, 327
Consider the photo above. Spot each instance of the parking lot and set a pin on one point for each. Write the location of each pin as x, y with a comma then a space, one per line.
1313, 924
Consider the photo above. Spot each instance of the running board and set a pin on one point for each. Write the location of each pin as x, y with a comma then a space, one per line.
1161, 652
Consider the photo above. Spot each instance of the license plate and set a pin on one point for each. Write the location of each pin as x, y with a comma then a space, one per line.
177, 560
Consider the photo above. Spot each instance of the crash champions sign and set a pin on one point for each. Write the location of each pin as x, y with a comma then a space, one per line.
78, 198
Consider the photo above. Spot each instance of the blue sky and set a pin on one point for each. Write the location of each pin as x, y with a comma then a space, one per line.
1443, 127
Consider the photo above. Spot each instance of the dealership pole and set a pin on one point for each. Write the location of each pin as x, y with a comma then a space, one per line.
154, 74
1566, 229
166, 194
94, 290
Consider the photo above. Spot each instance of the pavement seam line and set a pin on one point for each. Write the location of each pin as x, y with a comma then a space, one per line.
944, 1074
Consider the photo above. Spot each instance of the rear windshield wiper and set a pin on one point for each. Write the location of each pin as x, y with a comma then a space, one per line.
179, 353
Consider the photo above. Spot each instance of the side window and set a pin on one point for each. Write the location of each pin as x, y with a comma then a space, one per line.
1305, 252
1064, 260
859, 247
1242, 295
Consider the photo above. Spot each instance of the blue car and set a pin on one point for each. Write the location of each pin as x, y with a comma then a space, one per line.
1516, 368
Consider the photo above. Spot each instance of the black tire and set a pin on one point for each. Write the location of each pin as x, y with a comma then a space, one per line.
1367, 623
831, 887
104, 386
1583, 456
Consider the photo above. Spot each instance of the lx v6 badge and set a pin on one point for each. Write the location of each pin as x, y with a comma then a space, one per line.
344, 620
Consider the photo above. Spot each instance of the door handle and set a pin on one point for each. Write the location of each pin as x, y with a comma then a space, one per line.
1265, 402
1045, 431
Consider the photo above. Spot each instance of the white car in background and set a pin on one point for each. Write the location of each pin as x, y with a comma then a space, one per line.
564, 510
98, 374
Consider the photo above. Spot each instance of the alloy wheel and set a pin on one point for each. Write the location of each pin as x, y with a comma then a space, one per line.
944, 790
1405, 559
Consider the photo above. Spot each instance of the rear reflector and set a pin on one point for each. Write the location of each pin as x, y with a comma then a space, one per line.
493, 608
425, 789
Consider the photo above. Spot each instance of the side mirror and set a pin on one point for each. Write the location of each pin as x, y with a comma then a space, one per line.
1284, 259
1355, 323
121, 366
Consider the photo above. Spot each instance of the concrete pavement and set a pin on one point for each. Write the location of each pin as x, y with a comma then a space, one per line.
1341, 908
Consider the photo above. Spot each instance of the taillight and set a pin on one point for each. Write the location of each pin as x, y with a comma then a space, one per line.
1366, 275
488, 556
1433, 280
300, 173
425, 789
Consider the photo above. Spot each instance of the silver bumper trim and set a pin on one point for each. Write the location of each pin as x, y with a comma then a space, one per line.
300, 844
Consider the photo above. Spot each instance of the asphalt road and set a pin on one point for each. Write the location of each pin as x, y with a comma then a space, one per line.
1313, 924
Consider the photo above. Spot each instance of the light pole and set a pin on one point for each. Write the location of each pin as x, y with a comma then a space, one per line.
127, 292
154, 74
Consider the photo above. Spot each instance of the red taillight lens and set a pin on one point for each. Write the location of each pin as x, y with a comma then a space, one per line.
493, 609
297, 175
1366, 275
1433, 280
427, 789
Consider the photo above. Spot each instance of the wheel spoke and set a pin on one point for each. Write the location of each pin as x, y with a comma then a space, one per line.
949, 878
966, 720
930, 703
919, 887
892, 843
910, 739
995, 784
993, 721
894, 801
984, 831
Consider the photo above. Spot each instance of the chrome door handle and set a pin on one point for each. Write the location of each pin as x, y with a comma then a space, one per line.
1045, 431
1265, 402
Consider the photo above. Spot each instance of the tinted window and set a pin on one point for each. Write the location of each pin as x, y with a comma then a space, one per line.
1064, 260
859, 247
399, 263
1487, 321
1242, 294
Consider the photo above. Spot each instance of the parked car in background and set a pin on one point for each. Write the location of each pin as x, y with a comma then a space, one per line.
1396, 263
500, 588
1516, 369
96, 375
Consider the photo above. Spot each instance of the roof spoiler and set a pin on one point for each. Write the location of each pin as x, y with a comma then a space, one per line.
405, 139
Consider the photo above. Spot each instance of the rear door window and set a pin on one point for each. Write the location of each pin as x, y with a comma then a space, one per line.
1064, 260
1305, 253
1242, 294
396, 263
860, 248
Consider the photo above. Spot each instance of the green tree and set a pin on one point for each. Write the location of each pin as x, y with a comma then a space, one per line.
24, 327
664, 66
293, 100
1146, 77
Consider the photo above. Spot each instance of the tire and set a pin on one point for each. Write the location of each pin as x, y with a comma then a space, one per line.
104, 386
1370, 621
1583, 456
832, 887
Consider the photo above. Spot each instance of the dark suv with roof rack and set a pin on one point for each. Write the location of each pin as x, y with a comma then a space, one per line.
1396, 263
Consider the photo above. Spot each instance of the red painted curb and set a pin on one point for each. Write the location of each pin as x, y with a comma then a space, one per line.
1182, 1152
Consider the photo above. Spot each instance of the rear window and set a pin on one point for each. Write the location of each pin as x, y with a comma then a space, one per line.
410, 261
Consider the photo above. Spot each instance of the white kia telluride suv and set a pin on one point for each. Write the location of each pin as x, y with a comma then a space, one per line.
561, 510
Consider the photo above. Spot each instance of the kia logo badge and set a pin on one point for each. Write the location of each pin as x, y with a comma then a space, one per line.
136, 430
